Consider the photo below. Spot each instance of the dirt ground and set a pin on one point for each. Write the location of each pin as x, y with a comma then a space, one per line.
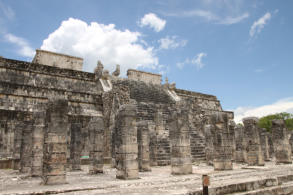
158, 181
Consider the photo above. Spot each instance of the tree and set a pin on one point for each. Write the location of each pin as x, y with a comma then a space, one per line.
266, 121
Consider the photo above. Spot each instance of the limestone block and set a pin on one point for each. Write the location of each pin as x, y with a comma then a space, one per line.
143, 146
55, 149
222, 144
252, 141
180, 141
280, 137
126, 144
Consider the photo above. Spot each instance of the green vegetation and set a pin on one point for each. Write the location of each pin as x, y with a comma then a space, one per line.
266, 121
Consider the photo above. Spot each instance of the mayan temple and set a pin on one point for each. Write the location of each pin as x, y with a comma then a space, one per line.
56, 118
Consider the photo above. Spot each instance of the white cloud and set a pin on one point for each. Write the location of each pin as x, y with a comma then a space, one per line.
24, 49
171, 42
233, 20
211, 17
96, 41
153, 21
197, 61
283, 105
259, 24
7, 11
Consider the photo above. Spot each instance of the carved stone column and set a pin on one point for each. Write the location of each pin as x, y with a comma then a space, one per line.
240, 150
55, 144
281, 144
38, 143
222, 153
180, 141
252, 140
264, 144
96, 129
143, 139
126, 142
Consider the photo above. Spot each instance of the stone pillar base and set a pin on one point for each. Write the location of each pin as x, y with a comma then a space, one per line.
54, 180
181, 169
223, 165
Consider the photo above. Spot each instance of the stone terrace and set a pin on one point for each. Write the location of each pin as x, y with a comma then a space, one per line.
270, 179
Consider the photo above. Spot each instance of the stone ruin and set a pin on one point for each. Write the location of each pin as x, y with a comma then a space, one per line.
54, 118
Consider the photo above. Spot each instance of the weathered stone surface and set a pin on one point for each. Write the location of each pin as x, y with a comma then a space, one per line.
180, 141
126, 142
55, 144
240, 151
26, 87
143, 139
264, 144
222, 145
252, 141
281, 144
38, 143
96, 129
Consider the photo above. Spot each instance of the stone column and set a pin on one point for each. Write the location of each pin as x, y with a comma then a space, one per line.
232, 126
221, 142
281, 144
55, 143
209, 148
17, 144
264, 144
126, 141
38, 143
239, 151
253, 147
153, 143
143, 139
96, 133
180, 141
26, 146
75, 145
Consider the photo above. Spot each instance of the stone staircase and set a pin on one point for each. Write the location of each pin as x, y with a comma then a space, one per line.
197, 144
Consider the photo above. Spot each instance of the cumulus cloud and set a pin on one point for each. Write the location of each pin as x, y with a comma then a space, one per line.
24, 48
258, 25
171, 42
196, 60
153, 21
96, 41
283, 105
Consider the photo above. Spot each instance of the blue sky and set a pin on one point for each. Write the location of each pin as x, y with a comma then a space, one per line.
238, 50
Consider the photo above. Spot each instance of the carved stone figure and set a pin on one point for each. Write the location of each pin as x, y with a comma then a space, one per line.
117, 71
99, 70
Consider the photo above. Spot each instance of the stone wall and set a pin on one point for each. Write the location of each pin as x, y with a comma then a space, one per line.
146, 77
58, 60
26, 87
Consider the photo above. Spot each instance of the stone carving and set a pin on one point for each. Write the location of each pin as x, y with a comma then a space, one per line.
281, 144
222, 146
126, 143
240, 150
105, 75
143, 139
38, 143
264, 144
117, 71
96, 129
180, 141
172, 86
55, 146
232, 126
252, 141
98, 70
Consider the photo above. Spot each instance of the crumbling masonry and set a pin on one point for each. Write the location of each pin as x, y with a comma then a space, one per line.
55, 117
